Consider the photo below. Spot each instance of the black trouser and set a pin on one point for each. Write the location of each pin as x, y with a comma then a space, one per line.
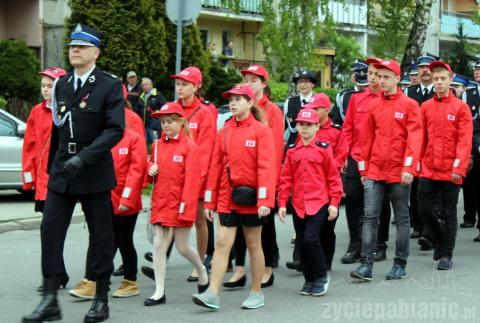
471, 194
124, 227
311, 252
269, 243
415, 220
444, 234
354, 209
55, 223
211, 238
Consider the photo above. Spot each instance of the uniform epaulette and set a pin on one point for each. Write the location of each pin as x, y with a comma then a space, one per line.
473, 91
336, 125
322, 144
110, 75
206, 102
291, 146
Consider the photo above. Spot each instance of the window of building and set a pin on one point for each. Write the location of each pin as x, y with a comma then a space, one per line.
204, 37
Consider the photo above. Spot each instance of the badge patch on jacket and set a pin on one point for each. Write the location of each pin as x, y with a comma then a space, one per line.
451, 117
123, 151
177, 159
250, 143
398, 115
193, 125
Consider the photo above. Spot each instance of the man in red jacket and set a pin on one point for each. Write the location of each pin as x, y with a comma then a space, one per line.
445, 155
391, 148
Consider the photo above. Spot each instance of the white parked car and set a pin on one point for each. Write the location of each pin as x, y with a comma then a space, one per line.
12, 131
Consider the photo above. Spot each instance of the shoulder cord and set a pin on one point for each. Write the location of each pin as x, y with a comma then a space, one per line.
68, 115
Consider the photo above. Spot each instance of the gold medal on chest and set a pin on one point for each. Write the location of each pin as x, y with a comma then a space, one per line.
83, 104
59, 118
62, 109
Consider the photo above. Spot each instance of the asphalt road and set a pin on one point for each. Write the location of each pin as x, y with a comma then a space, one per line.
426, 295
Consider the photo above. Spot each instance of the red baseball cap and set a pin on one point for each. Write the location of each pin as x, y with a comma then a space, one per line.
391, 65
320, 100
373, 60
169, 108
240, 89
308, 115
258, 70
190, 74
440, 64
53, 72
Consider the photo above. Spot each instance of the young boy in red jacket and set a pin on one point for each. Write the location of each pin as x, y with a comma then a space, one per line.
390, 152
311, 176
445, 155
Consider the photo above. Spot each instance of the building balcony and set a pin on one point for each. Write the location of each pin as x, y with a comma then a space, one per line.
450, 21
349, 12
249, 9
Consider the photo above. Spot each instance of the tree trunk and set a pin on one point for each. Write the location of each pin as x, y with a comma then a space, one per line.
418, 33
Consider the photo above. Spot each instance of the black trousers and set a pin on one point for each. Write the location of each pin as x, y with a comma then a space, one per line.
354, 209
311, 251
269, 242
56, 220
444, 232
123, 228
471, 194
211, 238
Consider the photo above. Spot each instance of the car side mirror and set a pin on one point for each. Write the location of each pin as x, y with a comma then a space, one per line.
21, 130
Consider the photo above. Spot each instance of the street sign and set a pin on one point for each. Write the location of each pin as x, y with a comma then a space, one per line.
185, 10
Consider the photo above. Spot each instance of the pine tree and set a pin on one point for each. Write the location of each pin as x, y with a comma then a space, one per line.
134, 37
459, 58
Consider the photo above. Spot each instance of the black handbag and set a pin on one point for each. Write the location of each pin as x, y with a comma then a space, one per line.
241, 195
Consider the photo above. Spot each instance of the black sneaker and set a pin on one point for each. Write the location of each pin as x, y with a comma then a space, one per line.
148, 256
445, 263
380, 255
363, 272
477, 238
306, 289
320, 286
466, 225
415, 234
351, 256
425, 244
293, 265
119, 272
148, 271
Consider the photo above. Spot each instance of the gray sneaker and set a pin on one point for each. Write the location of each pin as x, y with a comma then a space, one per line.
320, 286
254, 300
207, 299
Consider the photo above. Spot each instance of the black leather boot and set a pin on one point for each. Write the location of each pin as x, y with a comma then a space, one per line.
48, 309
99, 311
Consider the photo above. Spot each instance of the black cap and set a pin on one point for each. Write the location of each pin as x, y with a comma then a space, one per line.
426, 59
358, 65
305, 74
361, 78
85, 36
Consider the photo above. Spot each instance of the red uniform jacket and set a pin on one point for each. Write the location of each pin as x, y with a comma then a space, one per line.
36, 147
447, 139
135, 123
392, 138
213, 110
310, 174
274, 117
355, 120
203, 129
249, 147
332, 134
129, 159
177, 186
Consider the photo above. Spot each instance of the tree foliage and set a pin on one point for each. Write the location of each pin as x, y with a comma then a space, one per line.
19, 67
460, 58
223, 80
388, 19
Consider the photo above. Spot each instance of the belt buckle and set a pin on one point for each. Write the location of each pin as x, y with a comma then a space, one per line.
72, 147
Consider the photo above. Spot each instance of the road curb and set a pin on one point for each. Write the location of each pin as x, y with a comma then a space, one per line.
32, 223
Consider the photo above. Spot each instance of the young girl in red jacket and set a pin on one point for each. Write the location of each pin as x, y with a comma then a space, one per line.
241, 189
310, 175
36, 146
176, 176
257, 77
202, 128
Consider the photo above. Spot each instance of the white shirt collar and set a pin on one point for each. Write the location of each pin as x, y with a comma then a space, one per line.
176, 136
130, 86
430, 87
82, 78
306, 98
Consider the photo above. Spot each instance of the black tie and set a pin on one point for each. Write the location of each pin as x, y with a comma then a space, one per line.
79, 85
425, 92
304, 102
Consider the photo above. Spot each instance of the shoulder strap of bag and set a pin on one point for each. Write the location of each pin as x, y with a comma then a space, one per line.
194, 111
226, 157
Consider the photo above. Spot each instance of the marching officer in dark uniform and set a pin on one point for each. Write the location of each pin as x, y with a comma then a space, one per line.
305, 81
421, 92
471, 194
360, 81
89, 120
